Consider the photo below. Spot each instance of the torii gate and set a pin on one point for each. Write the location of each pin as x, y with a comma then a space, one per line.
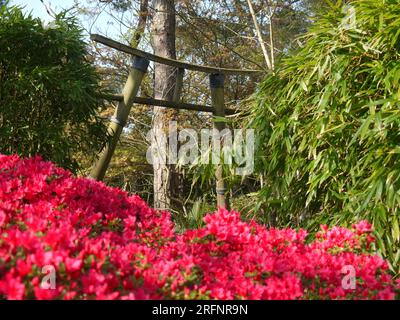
128, 97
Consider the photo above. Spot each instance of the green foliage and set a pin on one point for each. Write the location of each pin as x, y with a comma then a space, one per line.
48, 89
328, 123
193, 217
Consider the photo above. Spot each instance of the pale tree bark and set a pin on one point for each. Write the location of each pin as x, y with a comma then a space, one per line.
259, 35
271, 13
163, 41
271, 41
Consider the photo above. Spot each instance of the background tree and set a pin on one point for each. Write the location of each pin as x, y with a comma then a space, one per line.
163, 41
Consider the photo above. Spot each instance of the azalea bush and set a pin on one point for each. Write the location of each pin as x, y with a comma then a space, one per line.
104, 244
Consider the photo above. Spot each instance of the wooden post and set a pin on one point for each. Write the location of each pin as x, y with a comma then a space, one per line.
178, 85
176, 179
217, 102
120, 117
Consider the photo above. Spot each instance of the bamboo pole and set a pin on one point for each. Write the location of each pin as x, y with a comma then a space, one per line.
217, 102
120, 117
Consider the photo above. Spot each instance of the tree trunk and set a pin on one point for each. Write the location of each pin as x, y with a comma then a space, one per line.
163, 37
141, 24
259, 35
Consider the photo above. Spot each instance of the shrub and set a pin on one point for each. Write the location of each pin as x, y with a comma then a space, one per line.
328, 123
48, 89
105, 244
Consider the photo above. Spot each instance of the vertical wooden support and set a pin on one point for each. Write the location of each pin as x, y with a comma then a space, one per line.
217, 102
176, 179
178, 85
120, 117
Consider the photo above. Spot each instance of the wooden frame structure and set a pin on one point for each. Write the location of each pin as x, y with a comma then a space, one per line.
128, 97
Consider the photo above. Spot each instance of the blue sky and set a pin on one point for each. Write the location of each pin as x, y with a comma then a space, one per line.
37, 8
104, 24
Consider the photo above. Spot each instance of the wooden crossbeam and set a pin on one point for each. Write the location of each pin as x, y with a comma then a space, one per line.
169, 104
175, 63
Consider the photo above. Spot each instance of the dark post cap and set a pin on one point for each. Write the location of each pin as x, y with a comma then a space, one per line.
217, 80
221, 191
140, 63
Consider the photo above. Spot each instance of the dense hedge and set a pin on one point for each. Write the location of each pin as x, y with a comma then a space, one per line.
105, 244
48, 89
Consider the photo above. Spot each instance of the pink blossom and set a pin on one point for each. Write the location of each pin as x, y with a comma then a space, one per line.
105, 244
